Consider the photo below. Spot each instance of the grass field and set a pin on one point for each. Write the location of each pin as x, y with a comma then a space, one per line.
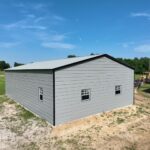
137, 76
145, 90
2, 83
127, 128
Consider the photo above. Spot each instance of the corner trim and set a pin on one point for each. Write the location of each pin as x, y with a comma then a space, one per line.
133, 88
54, 98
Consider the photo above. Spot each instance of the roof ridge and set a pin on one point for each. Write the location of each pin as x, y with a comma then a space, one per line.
64, 60
63, 63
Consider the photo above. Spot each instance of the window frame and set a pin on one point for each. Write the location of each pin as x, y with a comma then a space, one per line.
85, 92
40, 94
120, 89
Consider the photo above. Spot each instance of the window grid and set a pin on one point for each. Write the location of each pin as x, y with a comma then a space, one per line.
118, 89
40, 93
85, 94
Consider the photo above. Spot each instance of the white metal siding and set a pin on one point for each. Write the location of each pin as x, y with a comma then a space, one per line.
23, 87
101, 76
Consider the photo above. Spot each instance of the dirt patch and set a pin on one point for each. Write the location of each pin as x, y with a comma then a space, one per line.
121, 129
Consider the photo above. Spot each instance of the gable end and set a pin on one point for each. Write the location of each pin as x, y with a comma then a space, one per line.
90, 59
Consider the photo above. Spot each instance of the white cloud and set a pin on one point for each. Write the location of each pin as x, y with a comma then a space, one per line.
31, 21
145, 48
38, 19
11, 26
126, 44
33, 27
30, 16
8, 44
58, 37
52, 36
58, 18
58, 45
20, 5
38, 6
23, 24
141, 14
55, 40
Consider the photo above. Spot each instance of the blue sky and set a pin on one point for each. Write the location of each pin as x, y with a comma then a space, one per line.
35, 30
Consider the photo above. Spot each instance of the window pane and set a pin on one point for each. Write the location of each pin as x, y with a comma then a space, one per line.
40, 93
118, 89
85, 97
85, 94
41, 97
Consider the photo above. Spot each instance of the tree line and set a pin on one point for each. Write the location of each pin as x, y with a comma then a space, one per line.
141, 65
4, 65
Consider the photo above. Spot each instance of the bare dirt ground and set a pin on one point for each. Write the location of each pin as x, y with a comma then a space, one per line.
126, 128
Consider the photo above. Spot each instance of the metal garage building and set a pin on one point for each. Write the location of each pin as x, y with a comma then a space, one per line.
72, 88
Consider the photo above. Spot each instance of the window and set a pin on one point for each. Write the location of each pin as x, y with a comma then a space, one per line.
118, 89
85, 94
40, 93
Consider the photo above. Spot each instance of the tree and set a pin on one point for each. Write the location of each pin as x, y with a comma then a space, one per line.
71, 56
4, 65
92, 54
17, 64
141, 65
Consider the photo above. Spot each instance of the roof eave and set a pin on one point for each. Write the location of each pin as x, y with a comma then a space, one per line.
76, 63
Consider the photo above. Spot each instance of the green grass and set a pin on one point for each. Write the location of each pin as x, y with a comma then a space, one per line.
145, 90
132, 147
120, 120
25, 114
137, 76
3, 99
2, 83
145, 86
2, 73
30, 146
